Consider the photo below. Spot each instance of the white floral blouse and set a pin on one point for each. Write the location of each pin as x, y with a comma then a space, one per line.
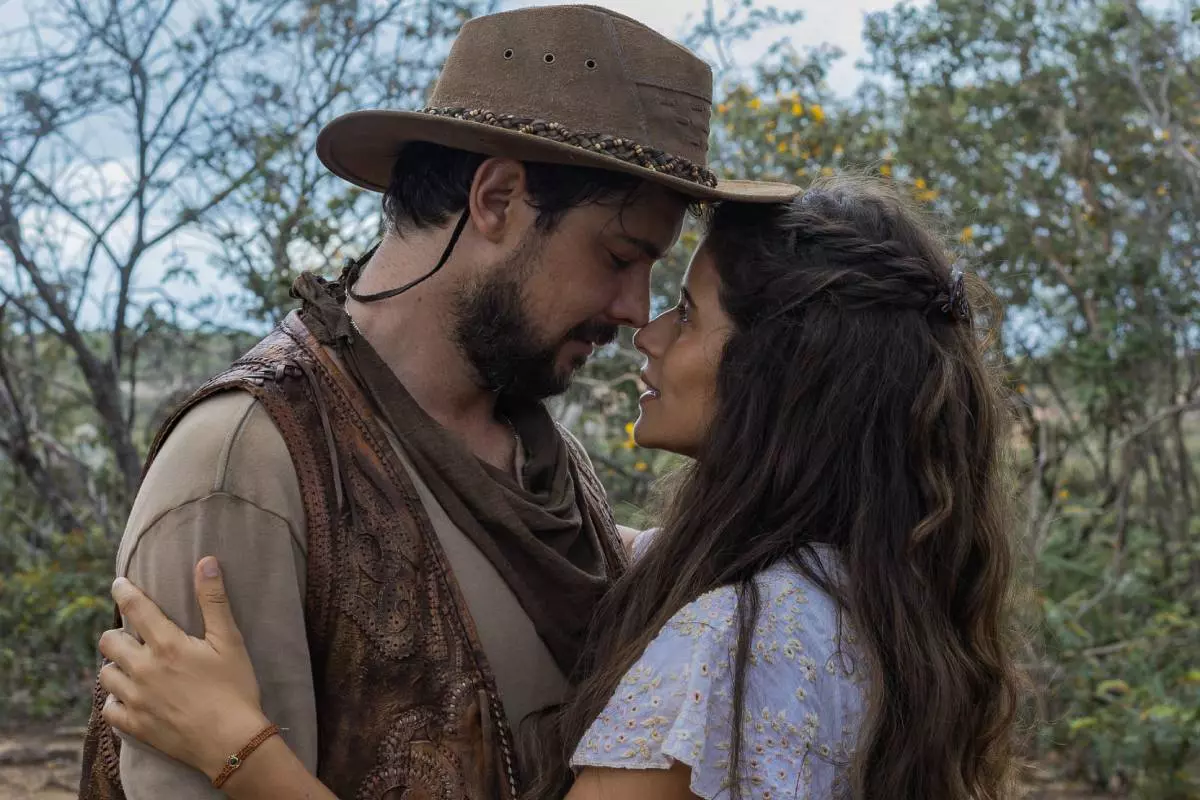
803, 702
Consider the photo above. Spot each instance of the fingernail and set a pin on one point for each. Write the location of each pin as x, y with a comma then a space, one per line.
209, 568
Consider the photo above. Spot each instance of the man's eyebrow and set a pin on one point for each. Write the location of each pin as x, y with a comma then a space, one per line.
652, 251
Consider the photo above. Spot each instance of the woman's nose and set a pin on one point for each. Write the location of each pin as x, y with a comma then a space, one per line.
648, 338
639, 340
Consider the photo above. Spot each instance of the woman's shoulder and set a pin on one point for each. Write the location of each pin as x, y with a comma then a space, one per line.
791, 604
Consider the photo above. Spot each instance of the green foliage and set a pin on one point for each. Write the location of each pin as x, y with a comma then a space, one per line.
1124, 702
52, 611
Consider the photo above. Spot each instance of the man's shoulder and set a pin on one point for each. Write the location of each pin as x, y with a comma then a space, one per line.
200, 443
223, 444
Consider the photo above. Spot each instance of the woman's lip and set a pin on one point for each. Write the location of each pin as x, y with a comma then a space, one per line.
647, 386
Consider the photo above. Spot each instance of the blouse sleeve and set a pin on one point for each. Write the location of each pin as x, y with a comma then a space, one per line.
642, 541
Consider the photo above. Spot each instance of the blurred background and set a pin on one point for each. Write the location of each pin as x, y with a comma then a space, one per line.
159, 192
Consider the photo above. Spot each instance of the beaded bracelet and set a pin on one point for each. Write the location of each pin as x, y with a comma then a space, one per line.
236, 760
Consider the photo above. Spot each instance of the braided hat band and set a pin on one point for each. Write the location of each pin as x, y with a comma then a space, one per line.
620, 148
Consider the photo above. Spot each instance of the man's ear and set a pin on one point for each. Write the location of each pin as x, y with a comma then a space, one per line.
496, 191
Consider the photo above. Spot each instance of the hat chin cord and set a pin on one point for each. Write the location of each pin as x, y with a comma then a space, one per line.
384, 295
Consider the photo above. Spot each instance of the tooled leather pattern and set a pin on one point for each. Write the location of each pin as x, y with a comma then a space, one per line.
397, 665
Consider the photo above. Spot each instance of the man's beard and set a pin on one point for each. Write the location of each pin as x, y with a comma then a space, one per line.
494, 332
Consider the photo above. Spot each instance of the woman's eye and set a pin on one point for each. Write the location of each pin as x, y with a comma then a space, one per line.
620, 263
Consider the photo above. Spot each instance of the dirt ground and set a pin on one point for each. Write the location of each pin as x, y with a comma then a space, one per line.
40, 764
43, 764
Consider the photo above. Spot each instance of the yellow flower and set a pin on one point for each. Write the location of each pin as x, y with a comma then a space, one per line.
641, 466
722, 108
797, 109
827, 171
1063, 494
1022, 388
783, 147
629, 442
927, 196
886, 170
838, 150
920, 184
755, 104
770, 138
817, 112
805, 154
967, 236
1162, 191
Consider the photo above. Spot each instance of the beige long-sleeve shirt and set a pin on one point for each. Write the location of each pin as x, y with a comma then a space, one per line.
224, 485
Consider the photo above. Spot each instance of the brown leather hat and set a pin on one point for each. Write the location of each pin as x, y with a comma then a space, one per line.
561, 84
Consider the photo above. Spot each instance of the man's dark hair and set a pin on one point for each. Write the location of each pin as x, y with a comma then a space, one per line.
430, 183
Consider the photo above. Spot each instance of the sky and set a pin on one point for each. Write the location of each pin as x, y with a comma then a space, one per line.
837, 23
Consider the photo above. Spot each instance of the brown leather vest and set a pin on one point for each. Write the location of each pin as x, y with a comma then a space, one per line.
406, 704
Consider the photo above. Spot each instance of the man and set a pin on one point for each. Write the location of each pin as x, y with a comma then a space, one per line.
413, 545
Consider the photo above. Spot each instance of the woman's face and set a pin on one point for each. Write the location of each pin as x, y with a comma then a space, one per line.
683, 349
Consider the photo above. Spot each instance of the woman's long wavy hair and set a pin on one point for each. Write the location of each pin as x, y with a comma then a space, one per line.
855, 409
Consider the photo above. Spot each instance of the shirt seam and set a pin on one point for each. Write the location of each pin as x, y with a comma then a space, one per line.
221, 477
142, 535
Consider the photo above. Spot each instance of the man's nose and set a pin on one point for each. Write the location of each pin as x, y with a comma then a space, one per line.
631, 306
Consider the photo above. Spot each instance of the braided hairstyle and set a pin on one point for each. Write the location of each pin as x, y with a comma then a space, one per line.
855, 409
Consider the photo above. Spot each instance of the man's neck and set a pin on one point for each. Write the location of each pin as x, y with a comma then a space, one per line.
412, 334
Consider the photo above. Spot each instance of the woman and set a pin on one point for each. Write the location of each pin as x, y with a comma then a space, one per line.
823, 610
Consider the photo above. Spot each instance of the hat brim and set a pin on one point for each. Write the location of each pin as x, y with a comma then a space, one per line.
362, 146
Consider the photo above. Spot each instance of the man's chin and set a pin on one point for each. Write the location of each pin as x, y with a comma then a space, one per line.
552, 379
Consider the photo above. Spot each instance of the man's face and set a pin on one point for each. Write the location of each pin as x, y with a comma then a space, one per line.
529, 322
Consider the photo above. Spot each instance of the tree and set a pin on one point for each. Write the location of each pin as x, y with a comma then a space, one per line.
1058, 134
135, 134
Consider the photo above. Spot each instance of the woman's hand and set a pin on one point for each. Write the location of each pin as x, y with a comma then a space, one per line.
196, 700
